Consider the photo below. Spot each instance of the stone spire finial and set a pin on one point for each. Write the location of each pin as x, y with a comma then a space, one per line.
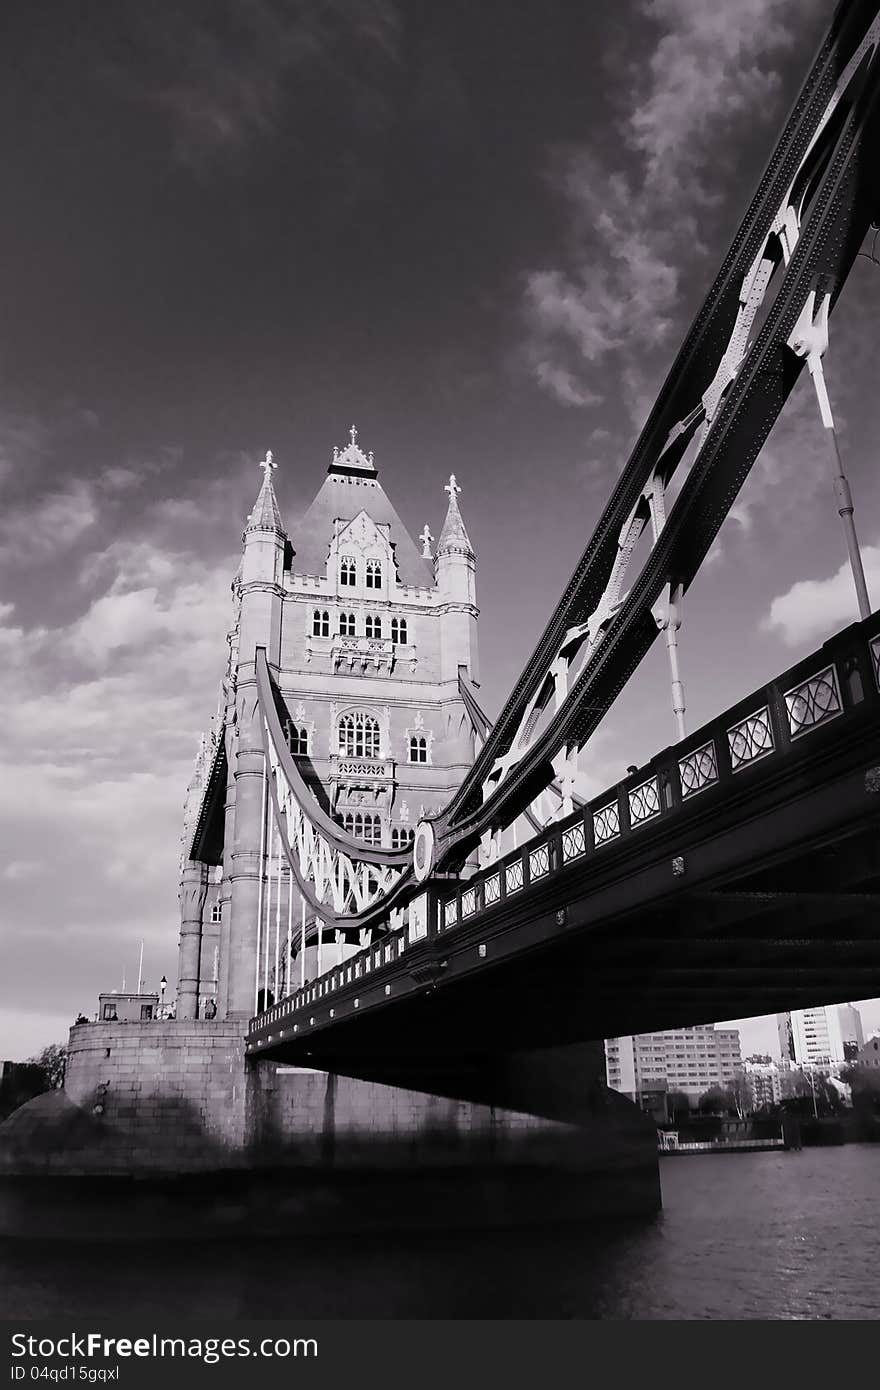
266, 515
352, 458
426, 539
453, 537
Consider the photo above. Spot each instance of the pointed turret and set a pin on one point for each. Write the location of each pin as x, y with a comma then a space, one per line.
266, 515
456, 581
261, 576
454, 538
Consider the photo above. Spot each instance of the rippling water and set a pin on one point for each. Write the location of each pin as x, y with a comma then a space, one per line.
766, 1235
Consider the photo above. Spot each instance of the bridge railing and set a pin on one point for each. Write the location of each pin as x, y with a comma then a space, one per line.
839, 680
762, 734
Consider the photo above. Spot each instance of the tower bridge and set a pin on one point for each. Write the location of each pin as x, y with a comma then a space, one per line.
387, 900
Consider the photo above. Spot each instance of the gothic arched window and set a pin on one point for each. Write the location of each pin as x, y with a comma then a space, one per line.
320, 623
216, 913
346, 624
347, 571
374, 574
297, 739
418, 748
398, 630
374, 626
401, 836
359, 735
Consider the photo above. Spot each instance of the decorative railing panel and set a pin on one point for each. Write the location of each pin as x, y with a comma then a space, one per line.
644, 801
606, 823
698, 770
750, 739
574, 843
513, 876
813, 702
539, 862
377, 769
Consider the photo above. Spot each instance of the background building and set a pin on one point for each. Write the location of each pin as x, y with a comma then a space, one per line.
690, 1060
851, 1030
763, 1076
121, 1007
816, 1037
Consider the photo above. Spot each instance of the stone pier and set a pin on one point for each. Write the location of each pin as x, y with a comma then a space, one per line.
175, 1108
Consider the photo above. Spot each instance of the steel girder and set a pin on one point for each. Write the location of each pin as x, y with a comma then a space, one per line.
801, 234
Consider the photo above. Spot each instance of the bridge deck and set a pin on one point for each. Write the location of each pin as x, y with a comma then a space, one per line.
737, 873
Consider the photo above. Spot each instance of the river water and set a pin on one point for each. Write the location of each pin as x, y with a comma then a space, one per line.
764, 1235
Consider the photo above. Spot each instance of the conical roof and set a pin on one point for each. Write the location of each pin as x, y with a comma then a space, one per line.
266, 515
454, 537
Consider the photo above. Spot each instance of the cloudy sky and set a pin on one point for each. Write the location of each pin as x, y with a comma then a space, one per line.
479, 234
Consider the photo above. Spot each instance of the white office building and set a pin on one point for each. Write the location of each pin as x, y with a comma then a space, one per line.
816, 1037
691, 1060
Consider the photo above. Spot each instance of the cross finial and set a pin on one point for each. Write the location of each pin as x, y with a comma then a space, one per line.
268, 463
426, 539
354, 434
452, 487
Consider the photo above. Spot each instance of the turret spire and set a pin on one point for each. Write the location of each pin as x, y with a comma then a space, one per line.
266, 515
454, 536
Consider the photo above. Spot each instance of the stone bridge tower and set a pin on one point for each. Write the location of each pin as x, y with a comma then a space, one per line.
367, 634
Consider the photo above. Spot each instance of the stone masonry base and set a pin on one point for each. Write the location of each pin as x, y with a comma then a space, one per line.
163, 1129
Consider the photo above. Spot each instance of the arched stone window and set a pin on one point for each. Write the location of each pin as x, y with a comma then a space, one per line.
401, 836
418, 748
320, 623
374, 574
374, 626
216, 912
347, 571
363, 825
359, 735
398, 630
346, 625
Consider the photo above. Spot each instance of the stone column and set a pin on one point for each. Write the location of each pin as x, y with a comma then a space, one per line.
193, 891
246, 873
228, 845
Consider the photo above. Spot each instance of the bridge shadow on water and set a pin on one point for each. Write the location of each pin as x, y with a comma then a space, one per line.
540, 1273
761, 1236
